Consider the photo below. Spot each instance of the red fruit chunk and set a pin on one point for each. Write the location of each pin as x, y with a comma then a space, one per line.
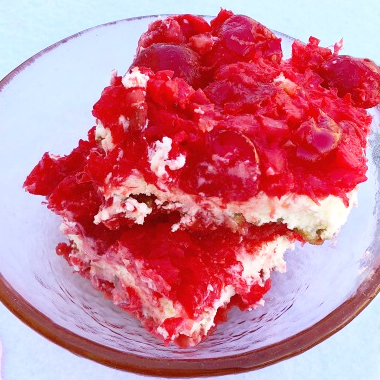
242, 87
50, 171
167, 30
75, 199
239, 99
309, 56
249, 38
317, 138
184, 62
63, 249
347, 157
191, 25
240, 38
350, 152
226, 166
173, 94
355, 76
220, 19
274, 164
99, 166
45, 176
118, 100
273, 128
248, 73
255, 294
175, 29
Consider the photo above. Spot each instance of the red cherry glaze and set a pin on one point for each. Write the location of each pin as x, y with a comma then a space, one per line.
358, 77
177, 29
309, 56
183, 61
250, 39
226, 166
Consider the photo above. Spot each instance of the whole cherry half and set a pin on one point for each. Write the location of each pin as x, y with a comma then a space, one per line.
183, 61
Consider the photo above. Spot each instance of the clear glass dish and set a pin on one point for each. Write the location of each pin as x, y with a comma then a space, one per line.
45, 104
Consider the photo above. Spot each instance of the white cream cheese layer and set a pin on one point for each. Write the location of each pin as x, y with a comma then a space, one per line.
317, 221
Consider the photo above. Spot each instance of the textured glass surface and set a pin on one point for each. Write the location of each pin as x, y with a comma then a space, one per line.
45, 105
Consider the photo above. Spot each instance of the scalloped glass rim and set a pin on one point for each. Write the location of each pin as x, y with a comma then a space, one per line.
251, 360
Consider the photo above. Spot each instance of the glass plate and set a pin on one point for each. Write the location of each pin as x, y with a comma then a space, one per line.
45, 105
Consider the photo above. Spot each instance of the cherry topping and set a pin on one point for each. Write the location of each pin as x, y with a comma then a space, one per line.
317, 138
52, 170
184, 62
249, 38
191, 25
226, 166
359, 77
177, 29
309, 56
118, 100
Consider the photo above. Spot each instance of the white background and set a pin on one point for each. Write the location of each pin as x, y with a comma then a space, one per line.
28, 26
